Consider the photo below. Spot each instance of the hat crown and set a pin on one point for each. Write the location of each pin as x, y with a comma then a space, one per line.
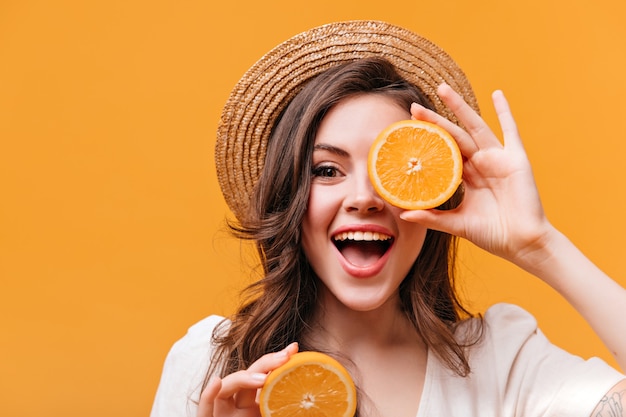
270, 84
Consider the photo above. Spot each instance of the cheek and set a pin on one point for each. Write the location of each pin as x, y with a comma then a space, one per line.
322, 206
413, 232
321, 210
420, 238
413, 237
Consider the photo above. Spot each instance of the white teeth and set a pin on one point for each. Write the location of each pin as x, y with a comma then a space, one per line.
357, 235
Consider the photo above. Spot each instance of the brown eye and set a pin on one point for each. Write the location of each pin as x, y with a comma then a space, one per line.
325, 171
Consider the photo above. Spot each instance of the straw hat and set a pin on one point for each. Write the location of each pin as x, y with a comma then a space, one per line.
269, 85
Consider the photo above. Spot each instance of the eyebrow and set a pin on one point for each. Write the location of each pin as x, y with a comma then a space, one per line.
330, 148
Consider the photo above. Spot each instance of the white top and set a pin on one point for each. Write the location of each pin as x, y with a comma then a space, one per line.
516, 371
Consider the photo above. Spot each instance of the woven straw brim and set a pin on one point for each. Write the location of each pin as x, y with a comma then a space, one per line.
269, 85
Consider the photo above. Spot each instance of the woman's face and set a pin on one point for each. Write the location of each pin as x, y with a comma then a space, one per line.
355, 242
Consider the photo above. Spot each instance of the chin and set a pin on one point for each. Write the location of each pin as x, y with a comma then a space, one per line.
362, 305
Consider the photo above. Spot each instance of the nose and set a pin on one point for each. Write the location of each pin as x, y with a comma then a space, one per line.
362, 197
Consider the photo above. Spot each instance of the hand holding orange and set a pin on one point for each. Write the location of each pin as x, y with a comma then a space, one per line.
415, 165
310, 384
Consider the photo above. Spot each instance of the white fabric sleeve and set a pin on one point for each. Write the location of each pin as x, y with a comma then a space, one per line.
538, 378
515, 372
184, 371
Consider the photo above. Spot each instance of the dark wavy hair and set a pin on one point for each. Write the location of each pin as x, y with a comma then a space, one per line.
277, 309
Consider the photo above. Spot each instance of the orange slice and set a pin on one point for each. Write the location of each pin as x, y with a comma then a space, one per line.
415, 165
310, 384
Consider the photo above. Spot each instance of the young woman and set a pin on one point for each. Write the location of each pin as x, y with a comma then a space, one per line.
348, 274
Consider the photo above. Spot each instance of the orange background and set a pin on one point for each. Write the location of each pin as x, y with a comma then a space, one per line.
111, 220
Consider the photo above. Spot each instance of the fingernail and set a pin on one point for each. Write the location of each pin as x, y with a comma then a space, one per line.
258, 376
281, 354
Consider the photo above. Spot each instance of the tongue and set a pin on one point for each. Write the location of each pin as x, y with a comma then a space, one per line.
362, 253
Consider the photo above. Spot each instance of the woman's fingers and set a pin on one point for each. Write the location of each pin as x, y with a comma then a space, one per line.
443, 221
474, 124
241, 380
272, 361
255, 375
207, 398
223, 397
239, 389
465, 142
476, 135
242, 387
507, 122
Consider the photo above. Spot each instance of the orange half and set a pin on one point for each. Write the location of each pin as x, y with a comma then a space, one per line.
415, 165
310, 384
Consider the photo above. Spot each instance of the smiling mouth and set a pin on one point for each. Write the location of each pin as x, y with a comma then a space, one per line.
362, 249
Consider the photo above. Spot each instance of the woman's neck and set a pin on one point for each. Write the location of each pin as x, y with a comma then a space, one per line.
335, 327
373, 345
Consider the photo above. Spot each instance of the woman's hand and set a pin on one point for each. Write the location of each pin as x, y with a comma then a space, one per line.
501, 211
236, 394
